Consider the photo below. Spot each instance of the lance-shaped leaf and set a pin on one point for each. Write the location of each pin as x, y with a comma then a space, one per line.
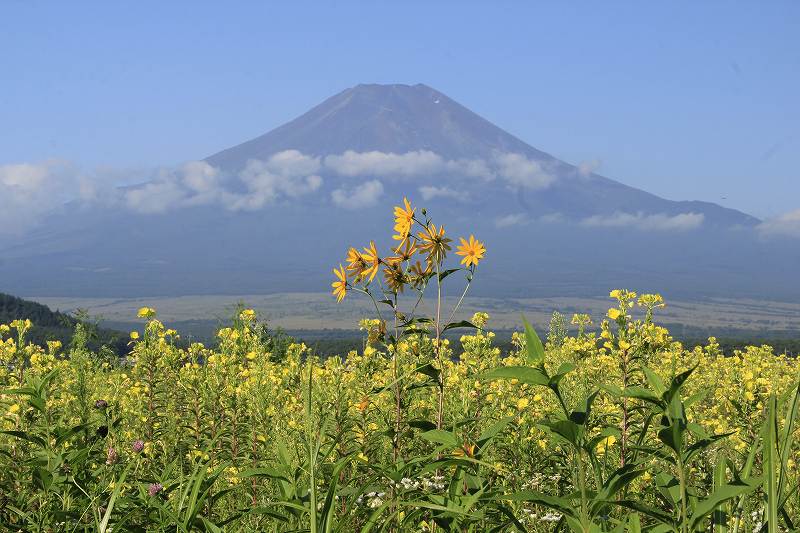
562, 505
523, 374
441, 436
705, 507
460, 324
533, 346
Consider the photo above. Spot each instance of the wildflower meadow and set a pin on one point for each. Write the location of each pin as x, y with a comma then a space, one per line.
609, 426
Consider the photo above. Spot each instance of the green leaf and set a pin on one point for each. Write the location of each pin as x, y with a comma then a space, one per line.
581, 416
562, 505
441, 436
566, 429
25, 436
429, 370
461, 324
422, 424
640, 393
719, 518
446, 273
271, 473
676, 384
533, 345
770, 459
659, 515
492, 431
722, 494
523, 374
616, 482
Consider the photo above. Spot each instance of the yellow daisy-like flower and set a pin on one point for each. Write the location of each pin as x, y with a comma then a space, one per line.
356, 265
403, 253
472, 251
372, 261
419, 273
614, 313
434, 243
403, 220
340, 285
395, 279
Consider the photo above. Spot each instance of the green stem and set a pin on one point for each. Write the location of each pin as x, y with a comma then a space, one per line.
682, 481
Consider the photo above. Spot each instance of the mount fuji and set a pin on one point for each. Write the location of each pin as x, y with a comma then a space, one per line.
275, 213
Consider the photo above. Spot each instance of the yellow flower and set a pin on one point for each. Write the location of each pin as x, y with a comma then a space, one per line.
134, 335
472, 251
403, 253
146, 312
372, 261
614, 313
605, 444
624, 345
395, 278
340, 285
356, 264
522, 403
419, 273
616, 293
403, 220
434, 243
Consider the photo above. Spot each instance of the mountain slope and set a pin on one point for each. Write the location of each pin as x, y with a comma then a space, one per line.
401, 119
274, 213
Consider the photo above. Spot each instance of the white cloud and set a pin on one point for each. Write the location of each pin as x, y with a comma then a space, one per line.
516, 169
785, 225
29, 190
200, 177
155, 197
587, 168
193, 183
385, 164
514, 219
293, 163
656, 222
429, 192
364, 195
32, 190
265, 182
471, 168
285, 174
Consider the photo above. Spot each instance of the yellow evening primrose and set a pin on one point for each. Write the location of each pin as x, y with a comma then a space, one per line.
614, 313
472, 251
146, 312
340, 285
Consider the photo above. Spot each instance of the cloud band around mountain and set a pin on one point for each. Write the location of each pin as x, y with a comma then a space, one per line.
654, 222
785, 225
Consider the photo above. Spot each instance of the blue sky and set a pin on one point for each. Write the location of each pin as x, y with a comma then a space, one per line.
689, 100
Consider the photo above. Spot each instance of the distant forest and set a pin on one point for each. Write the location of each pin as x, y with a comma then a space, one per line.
54, 325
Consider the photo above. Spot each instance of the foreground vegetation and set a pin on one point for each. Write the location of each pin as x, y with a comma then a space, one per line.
619, 429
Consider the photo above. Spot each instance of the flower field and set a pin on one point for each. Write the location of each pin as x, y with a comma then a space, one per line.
608, 426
